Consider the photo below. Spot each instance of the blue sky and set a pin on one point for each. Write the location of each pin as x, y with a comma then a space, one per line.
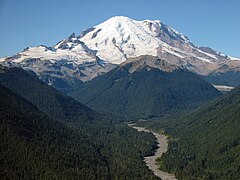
213, 23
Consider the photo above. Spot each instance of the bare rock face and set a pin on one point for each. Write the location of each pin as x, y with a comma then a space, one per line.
135, 64
121, 38
64, 66
99, 49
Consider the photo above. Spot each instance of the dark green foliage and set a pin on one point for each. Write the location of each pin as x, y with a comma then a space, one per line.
229, 78
51, 136
46, 98
206, 141
144, 93
33, 146
61, 84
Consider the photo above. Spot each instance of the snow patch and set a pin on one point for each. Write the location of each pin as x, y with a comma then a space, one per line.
233, 58
223, 87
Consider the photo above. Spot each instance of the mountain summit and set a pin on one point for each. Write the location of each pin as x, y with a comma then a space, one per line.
99, 49
120, 38
126, 38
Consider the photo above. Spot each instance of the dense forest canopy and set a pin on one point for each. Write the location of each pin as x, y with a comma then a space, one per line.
205, 143
47, 135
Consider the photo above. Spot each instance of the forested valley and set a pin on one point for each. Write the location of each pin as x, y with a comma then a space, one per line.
204, 143
47, 135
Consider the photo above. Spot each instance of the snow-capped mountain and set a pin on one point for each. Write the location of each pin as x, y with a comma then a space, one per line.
100, 48
125, 38
120, 38
63, 66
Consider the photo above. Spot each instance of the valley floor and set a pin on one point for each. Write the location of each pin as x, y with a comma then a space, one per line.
151, 160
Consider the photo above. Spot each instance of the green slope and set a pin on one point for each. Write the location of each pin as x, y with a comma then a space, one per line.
44, 97
34, 146
146, 92
74, 142
229, 78
206, 141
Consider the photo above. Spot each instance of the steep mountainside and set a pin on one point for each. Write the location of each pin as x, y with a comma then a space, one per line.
206, 141
126, 38
120, 38
43, 96
144, 87
33, 146
100, 48
226, 74
84, 145
63, 68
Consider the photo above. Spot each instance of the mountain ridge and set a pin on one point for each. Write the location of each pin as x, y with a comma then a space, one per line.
97, 50
145, 87
45, 133
205, 142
